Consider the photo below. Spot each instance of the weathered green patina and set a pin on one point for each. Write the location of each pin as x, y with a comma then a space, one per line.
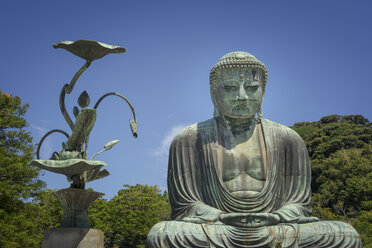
238, 180
72, 161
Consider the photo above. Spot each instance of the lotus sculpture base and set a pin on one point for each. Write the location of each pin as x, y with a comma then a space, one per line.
75, 203
72, 167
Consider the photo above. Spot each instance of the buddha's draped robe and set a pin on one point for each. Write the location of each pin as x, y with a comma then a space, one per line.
198, 196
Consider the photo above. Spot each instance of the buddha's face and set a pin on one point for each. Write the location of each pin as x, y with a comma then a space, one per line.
238, 92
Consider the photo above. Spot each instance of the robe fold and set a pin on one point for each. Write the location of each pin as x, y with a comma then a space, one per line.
198, 195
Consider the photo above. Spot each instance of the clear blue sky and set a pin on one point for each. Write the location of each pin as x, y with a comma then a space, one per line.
318, 55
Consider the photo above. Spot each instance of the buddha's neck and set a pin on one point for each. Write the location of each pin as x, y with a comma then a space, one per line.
241, 128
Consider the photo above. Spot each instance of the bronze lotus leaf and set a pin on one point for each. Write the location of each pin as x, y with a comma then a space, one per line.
88, 49
73, 167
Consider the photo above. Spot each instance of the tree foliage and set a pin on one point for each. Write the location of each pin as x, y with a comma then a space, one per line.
127, 218
364, 226
19, 182
340, 149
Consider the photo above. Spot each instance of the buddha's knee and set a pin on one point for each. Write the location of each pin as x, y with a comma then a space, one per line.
154, 238
328, 227
175, 234
158, 228
329, 234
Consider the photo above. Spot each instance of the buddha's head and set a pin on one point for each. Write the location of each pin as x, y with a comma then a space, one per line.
237, 85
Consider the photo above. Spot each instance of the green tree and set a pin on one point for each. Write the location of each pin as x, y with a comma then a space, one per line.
98, 214
49, 211
345, 182
127, 218
340, 149
19, 183
364, 226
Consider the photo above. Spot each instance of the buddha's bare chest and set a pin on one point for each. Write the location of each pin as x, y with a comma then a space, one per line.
242, 167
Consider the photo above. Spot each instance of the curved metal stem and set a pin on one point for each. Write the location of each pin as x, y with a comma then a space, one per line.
122, 97
77, 75
133, 124
100, 152
63, 107
46, 135
67, 89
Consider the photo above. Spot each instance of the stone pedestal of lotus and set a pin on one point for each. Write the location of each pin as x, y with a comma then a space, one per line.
75, 203
71, 161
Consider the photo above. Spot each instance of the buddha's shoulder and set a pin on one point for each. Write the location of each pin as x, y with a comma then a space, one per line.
196, 130
279, 129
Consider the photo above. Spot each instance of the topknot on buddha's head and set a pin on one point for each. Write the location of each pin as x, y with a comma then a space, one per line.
237, 60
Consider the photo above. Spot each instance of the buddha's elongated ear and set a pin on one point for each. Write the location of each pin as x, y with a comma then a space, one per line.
216, 112
259, 113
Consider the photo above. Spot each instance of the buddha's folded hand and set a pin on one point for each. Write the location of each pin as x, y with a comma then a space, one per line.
249, 219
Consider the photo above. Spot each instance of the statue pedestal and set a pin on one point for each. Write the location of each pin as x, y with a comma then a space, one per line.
75, 203
73, 238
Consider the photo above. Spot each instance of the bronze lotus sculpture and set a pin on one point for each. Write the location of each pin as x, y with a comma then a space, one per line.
71, 160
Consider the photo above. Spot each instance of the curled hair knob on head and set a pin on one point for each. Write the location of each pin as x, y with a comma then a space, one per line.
238, 60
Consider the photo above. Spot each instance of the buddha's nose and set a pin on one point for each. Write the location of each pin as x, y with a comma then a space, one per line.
242, 94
